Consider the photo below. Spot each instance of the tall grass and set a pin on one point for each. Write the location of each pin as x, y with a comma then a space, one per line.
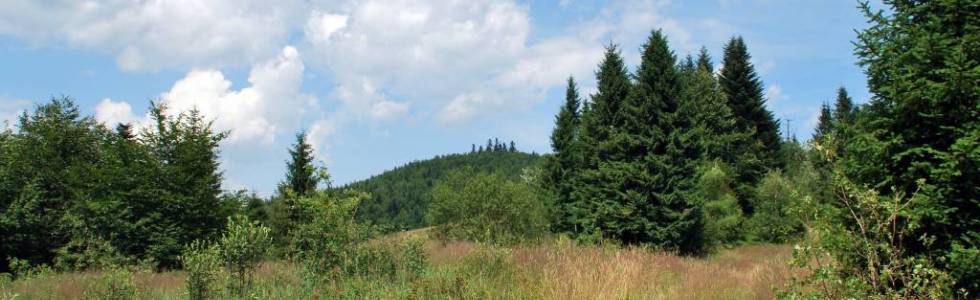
463, 270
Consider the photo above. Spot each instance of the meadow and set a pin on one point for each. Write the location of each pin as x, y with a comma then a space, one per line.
556, 269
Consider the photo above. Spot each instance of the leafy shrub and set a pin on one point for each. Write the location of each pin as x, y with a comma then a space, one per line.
773, 220
722, 214
88, 253
241, 248
486, 208
203, 265
326, 239
855, 249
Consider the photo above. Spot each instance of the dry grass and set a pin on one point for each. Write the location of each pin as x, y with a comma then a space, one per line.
554, 270
566, 271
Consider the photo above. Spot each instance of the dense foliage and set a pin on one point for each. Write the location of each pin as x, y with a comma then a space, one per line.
487, 207
627, 166
69, 183
400, 197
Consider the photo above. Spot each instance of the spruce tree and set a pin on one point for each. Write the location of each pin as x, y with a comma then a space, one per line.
743, 88
825, 123
704, 61
598, 118
922, 66
561, 166
843, 107
300, 173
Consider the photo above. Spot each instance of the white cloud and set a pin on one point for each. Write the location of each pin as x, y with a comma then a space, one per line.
774, 93
464, 58
318, 135
387, 110
10, 110
254, 113
112, 112
155, 34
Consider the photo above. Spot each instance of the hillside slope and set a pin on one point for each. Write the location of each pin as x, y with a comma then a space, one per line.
399, 197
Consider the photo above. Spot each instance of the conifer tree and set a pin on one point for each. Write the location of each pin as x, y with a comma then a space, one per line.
825, 123
561, 167
301, 176
598, 118
704, 61
844, 107
743, 88
922, 66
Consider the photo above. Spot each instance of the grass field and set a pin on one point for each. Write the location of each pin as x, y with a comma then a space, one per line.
462, 270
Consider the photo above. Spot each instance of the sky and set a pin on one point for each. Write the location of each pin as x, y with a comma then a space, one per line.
375, 84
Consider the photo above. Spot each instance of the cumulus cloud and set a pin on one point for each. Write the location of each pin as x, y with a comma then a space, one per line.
112, 112
254, 113
258, 112
154, 34
440, 50
465, 58
318, 135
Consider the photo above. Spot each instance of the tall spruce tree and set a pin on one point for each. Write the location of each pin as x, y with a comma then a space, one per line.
599, 117
301, 176
843, 107
923, 73
741, 85
825, 122
562, 166
704, 61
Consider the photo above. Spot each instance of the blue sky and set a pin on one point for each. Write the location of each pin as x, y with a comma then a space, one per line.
376, 84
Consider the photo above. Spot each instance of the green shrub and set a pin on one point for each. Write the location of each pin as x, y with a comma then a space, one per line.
241, 248
855, 249
326, 240
773, 220
88, 253
722, 214
412, 258
203, 265
486, 208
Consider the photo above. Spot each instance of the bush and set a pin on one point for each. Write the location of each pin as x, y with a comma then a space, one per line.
855, 249
722, 214
325, 240
203, 265
242, 247
486, 208
88, 254
773, 220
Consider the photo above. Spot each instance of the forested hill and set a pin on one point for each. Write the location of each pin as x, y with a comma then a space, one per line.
399, 197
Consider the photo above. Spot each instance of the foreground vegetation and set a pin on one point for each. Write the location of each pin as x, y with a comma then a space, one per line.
556, 269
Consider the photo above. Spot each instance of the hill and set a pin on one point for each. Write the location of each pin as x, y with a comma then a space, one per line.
399, 197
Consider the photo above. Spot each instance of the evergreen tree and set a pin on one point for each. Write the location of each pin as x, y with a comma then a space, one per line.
743, 88
301, 176
599, 117
923, 126
704, 61
825, 123
513, 147
561, 167
844, 107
